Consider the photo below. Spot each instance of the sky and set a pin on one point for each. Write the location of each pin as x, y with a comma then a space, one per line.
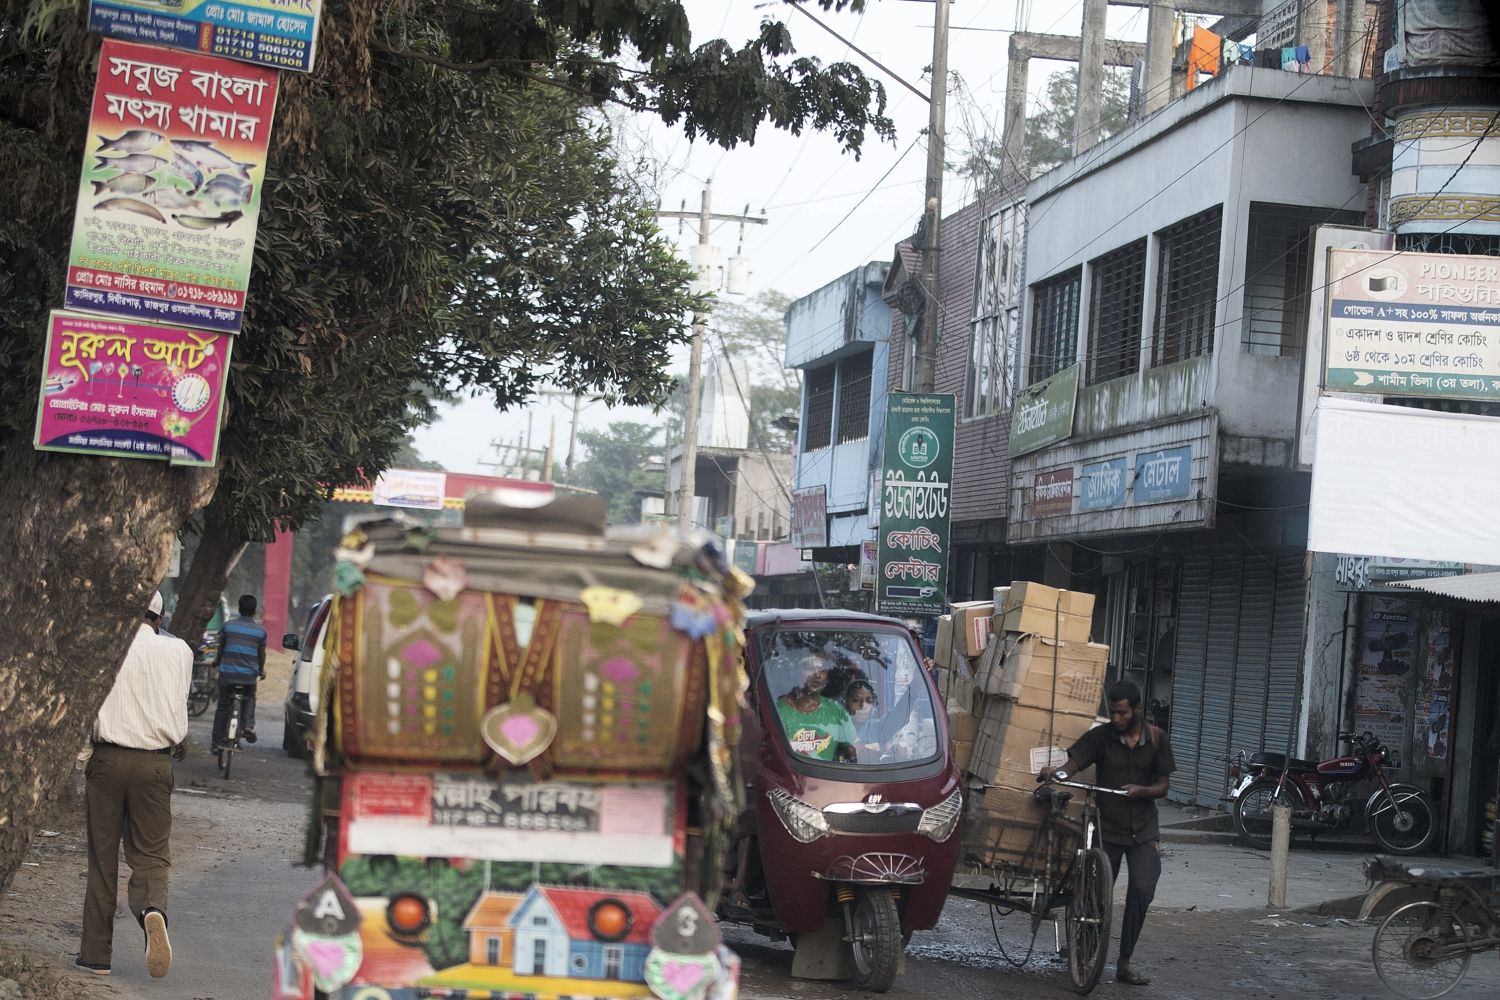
827, 213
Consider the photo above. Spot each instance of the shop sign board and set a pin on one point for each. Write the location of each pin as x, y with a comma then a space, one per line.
1413, 324
1375, 573
869, 559
132, 390
170, 191
419, 489
912, 572
1052, 492
276, 34
1044, 412
810, 517
1102, 484
1166, 474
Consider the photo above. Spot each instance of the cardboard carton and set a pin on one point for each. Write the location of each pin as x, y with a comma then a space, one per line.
1014, 742
971, 627
963, 750
1025, 593
942, 650
962, 726
956, 686
1043, 673
1005, 828
1032, 620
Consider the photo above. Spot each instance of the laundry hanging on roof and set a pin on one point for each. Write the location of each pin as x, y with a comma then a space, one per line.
1304, 59
1203, 55
1268, 58
1289, 58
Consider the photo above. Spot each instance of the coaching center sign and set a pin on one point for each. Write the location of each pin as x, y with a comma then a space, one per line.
1413, 324
912, 565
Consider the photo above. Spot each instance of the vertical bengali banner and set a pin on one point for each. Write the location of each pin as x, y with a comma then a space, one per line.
912, 561
172, 175
132, 390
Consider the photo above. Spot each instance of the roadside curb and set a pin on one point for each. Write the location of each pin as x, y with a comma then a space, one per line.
1181, 835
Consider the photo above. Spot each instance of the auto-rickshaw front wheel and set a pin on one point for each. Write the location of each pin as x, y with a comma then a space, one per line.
875, 941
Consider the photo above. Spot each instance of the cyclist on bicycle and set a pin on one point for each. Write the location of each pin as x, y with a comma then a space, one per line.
241, 662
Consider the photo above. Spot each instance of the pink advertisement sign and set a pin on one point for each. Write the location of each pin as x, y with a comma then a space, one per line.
133, 390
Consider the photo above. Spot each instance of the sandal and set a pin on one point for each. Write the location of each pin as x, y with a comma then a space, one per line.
1125, 974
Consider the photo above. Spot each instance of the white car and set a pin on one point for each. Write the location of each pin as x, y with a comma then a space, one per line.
302, 694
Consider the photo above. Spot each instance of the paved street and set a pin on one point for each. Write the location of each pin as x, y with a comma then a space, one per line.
234, 884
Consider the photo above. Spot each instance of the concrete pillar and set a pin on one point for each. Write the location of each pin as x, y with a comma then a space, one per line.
1090, 75
1161, 24
1348, 37
1315, 30
1013, 136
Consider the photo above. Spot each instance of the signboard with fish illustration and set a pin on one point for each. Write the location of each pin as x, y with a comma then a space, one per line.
280, 34
132, 389
171, 187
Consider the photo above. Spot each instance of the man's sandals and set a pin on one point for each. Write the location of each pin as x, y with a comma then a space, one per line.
1125, 974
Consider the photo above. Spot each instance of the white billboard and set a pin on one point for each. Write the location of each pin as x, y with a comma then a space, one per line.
1400, 482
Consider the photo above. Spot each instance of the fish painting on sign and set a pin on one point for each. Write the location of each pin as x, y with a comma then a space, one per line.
170, 187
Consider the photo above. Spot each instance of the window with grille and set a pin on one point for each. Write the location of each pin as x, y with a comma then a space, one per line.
1117, 294
1187, 283
854, 397
1474, 244
1054, 324
997, 292
1278, 263
819, 424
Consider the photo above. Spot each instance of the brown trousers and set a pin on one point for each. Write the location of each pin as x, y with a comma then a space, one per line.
129, 796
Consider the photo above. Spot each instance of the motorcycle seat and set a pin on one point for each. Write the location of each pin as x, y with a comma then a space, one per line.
1281, 762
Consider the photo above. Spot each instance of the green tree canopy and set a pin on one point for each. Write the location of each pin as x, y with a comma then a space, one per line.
618, 467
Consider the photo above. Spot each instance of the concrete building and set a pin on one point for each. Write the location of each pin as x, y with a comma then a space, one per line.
839, 338
1389, 647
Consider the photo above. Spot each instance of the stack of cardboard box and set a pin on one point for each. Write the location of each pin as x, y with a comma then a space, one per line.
1025, 695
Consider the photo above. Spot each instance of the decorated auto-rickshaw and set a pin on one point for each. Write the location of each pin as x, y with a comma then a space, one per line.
525, 769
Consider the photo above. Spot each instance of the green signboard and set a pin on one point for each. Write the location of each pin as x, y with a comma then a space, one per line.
917, 472
1044, 412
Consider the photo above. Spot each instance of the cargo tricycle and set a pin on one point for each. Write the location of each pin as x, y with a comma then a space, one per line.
525, 762
1423, 947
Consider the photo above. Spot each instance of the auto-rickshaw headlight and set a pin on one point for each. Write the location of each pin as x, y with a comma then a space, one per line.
805, 823
941, 820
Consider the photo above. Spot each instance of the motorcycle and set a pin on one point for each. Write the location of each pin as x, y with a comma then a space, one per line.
850, 838
1325, 797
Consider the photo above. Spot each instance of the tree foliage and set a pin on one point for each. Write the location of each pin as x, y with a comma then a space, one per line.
618, 467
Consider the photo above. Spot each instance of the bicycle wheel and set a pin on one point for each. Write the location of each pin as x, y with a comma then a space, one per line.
1419, 952
197, 700
226, 757
1089, 913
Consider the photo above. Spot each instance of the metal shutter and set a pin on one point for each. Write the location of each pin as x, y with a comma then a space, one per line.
1187, 672
1284, 688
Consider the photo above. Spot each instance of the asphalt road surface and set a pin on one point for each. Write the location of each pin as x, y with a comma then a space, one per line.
235, 882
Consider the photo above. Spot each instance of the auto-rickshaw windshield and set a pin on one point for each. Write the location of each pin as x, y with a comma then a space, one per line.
846, 696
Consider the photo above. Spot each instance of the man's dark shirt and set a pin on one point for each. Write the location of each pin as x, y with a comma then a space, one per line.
1123, 820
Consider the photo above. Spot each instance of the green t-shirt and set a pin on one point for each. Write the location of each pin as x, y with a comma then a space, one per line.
817, 733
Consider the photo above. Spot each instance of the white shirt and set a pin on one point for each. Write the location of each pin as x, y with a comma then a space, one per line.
147, 707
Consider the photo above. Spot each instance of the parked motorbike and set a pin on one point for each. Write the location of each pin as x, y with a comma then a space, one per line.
1325, 797
851, 835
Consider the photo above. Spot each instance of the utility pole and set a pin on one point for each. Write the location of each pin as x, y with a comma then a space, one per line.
703, 261
924, 373
573, 436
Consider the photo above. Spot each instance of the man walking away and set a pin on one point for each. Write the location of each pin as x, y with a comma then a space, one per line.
129, 788
1132, 755
242, 661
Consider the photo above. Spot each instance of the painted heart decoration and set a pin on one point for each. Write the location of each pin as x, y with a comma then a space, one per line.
446, 577
680, 977
333, 961
519, 732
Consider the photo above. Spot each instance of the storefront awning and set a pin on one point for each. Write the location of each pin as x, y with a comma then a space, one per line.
1470, 587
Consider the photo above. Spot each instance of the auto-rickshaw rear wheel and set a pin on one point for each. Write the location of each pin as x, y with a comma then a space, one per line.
1089, 912
875, 941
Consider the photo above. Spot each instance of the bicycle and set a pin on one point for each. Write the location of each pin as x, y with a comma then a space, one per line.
204, 690
231, 741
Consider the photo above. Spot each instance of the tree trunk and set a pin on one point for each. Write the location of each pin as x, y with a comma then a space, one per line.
219, 548
85, 541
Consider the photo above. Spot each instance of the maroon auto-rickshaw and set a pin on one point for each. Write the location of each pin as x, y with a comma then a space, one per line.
856, 799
